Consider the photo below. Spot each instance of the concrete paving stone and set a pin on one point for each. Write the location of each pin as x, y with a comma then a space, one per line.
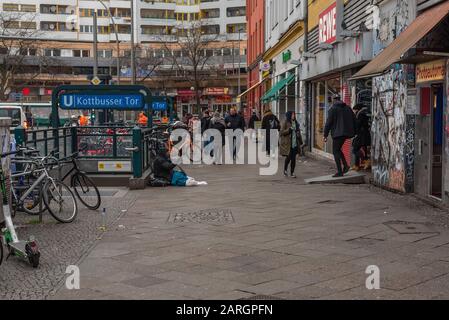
362, 293
271, 287
244, 259
172, 256
306, 293
143, 282
226, 274
346, 282
231, 295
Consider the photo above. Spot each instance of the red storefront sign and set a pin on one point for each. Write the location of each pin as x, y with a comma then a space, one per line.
185, 93
330, 23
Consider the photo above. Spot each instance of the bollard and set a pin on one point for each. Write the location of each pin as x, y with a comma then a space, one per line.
74, 134
20, 135
137, 152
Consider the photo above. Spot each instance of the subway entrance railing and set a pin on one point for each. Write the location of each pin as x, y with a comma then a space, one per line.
105, 149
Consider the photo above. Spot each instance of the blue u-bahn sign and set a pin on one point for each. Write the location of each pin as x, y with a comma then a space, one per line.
116, 101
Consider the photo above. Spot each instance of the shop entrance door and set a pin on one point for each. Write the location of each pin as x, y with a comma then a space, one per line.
436, 174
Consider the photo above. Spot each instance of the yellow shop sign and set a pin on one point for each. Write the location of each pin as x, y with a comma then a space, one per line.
431, 71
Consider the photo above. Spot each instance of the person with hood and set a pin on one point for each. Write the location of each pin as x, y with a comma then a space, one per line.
269, 122
234, 121
217, 122
341, 125
167, 173
290, 141
254, 118
363, 135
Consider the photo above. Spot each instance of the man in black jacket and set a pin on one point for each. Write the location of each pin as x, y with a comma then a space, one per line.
341, 124
234, 121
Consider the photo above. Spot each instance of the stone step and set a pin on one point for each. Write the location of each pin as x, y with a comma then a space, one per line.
351, 177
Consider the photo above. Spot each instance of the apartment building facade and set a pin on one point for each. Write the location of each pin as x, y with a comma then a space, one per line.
65, 33
256, 48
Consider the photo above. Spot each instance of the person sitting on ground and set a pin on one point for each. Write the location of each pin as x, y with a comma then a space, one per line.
171, 174
363, 136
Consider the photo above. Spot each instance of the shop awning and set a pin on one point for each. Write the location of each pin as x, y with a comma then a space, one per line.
417, 30
251, 89
272, 94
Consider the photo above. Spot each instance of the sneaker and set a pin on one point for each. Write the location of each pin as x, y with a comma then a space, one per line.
293, 176
346, 170
285, 174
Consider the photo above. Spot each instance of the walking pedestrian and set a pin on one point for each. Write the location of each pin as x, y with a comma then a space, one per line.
217, 122
341, 124
254, 118
269, 122
290, 141
363, 136
234, 122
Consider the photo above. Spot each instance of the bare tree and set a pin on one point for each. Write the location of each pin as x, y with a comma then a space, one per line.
191, 61
19, 51
146, 64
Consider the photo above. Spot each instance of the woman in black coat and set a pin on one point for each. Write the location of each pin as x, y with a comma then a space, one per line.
363, 135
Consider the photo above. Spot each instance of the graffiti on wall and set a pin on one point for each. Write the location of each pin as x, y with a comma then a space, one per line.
389, 129
446, 132
393, 18
409, 152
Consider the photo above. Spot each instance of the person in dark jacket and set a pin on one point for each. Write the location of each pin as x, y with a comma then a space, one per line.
363, 135
205, 121
254, 118
341, 124
290, 141
217, 122
234, 122
269, 122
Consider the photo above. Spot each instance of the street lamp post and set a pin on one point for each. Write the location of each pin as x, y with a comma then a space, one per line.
116, 39
133, 53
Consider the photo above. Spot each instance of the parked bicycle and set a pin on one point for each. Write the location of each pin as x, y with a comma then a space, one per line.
25, 249
83, 186
57, 197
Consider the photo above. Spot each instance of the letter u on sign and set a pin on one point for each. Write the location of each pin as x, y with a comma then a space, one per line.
67, 100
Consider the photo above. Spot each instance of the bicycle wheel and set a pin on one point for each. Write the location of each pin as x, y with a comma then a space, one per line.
32, 204
60, 201
86, 190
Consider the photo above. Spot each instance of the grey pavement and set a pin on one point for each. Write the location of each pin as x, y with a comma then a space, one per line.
60, 245
246, 235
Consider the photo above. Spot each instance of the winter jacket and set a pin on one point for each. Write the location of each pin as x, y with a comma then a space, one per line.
269, 119
285, 138
362, 129
235, 122
163, 168
252, 120
205, 124
340, 122
218, 124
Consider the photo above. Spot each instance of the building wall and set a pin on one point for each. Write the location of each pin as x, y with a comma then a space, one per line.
446, 138
279, 17
393, 130
256, 47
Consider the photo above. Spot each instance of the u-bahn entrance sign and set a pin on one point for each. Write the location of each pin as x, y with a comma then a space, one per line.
103, 97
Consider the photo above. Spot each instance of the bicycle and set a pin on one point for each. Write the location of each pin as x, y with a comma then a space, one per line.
25, 249
83, 186
55, 194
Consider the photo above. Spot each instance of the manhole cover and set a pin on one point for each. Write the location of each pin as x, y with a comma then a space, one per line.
406, 227
329, 202
261, 297
207, 216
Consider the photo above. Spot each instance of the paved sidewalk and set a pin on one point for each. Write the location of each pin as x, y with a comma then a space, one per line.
245, 235
61, 245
